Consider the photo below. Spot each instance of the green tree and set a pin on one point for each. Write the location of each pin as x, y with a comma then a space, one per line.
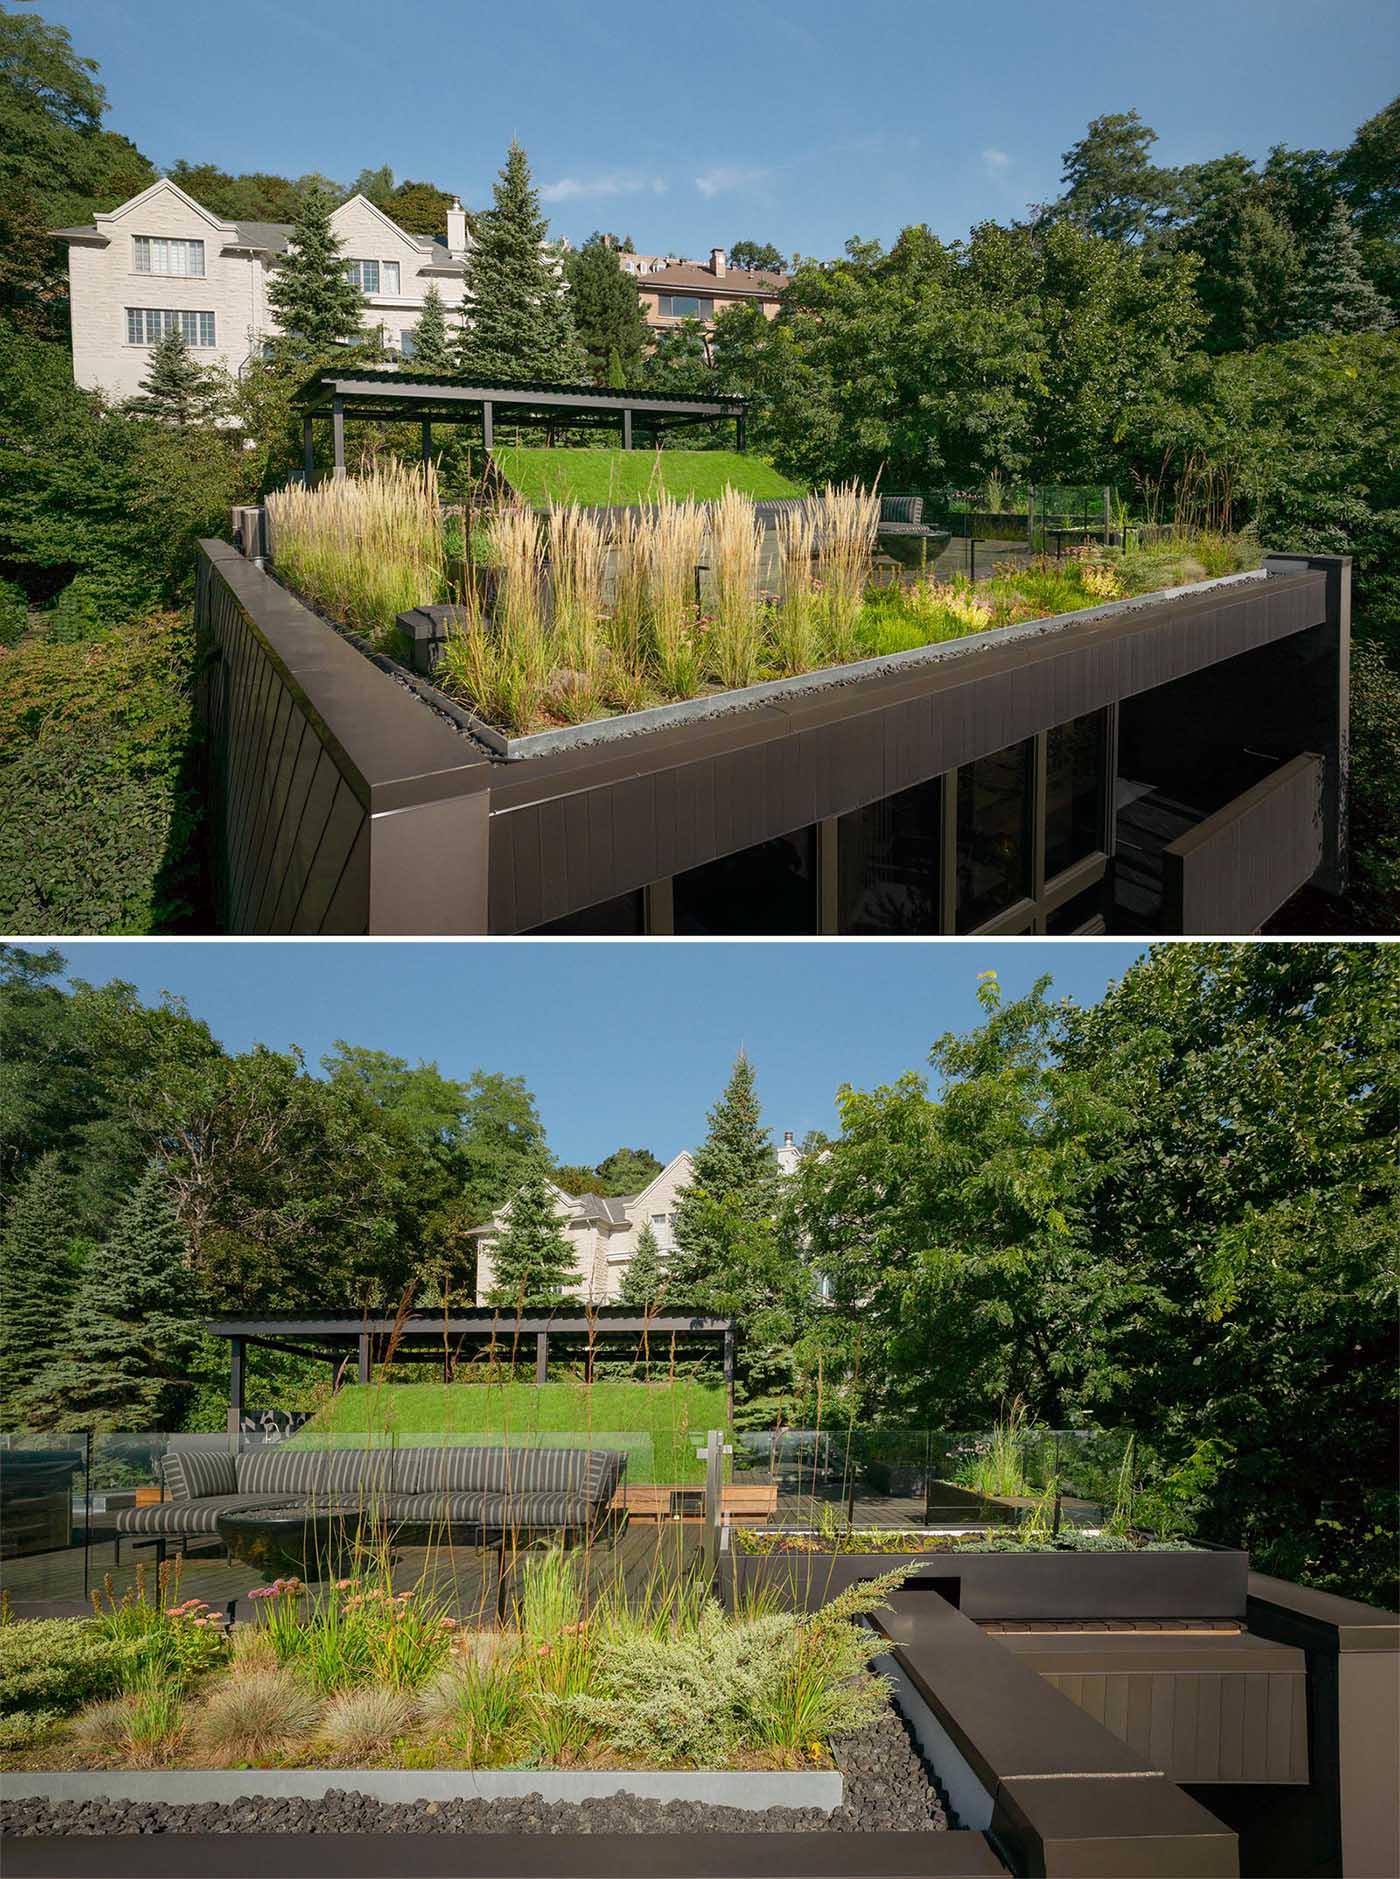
1112, 187
1368, 174
1333, 294
502, 1136
376, 186
679, 361
516, 320
760, 256
177, 389
627, 1171
124, 1359
36, 1277
644, 1278
617, 378
253, 197
734, 1187
316, 306
421, 208
532, 1261
433, 347
606, 308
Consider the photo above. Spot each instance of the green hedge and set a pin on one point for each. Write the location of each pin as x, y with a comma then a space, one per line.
97, 809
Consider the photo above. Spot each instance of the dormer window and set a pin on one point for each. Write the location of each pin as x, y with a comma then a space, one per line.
373, 277
154, 254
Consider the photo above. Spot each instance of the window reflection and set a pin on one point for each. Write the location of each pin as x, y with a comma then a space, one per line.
771, 888
994, 834
1074, 791
889, 863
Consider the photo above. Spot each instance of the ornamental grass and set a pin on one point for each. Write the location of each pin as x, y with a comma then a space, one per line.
362, 549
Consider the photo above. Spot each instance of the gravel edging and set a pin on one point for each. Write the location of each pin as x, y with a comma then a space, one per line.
888, 1788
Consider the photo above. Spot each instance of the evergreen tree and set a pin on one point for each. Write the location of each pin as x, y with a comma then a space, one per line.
617, 378
516, 322
734, 1191
1334, 296
123, 1360
433, 350
36, 1278
316, 305
532, 1260
607, 310
644, 1281
177, 389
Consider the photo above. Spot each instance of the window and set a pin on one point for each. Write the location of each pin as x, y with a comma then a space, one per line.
364, 275
1074, 791
685, 306
146, 326
889, 863
624, 915
389, 271
406, 343
155, 255
994, 834
770, 888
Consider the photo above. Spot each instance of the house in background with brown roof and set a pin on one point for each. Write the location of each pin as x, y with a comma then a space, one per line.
673, 290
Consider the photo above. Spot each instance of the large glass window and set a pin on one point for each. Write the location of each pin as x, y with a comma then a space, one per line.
994, 834
619, 917
153, 254
146, 326
685, 306
1074, 791
768, 889
364, 275
888, 863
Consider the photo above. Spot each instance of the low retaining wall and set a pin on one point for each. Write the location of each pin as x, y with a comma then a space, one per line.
754, 1790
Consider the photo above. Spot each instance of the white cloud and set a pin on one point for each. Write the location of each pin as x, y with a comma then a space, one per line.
615, 183
725, 177
996, 160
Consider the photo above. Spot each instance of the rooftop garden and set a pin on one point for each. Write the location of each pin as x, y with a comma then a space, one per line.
542, 476
355, 1674
567, 618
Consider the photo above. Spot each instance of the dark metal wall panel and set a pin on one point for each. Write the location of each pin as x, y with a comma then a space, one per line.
1199, 1726
1232, 871
675, 799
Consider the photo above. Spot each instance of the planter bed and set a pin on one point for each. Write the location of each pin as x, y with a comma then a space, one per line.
1204, 1582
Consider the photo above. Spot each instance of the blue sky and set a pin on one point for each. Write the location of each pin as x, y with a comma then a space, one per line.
693, 127
621, 1044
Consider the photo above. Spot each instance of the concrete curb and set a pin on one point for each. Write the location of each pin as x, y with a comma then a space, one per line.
752, 1789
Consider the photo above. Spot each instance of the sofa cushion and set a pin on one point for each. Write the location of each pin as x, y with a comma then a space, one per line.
191, 1473
513, 1470
274, 1469
352, 1472
191, 1516
503, 1513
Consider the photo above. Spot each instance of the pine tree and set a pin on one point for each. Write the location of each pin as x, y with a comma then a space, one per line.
1334, 295
532, 1260
516, 319
617, 378
316, 306
433, 349
734, 1189
607, 310
36, 1279
645, 1279
177, 389
122, 1362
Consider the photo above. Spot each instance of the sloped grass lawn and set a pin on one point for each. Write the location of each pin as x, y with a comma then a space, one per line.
660, 1425
594, 477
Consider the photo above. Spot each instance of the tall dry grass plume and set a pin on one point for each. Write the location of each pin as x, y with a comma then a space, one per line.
794, 621
676, 538
736, 639
578, 565
846, 519
627, 627
363, 548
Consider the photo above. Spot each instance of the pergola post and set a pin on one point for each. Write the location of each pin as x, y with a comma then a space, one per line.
235, 1385
363, 1372
729, 1373
338, 433
627, 427
307, 451
738, 430
427, 440
488, 425
541, 1357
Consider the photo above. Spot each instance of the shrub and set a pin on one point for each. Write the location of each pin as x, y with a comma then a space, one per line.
97, 810
51, 1666
478, 1704
14, 614
254, 1713
365, 1721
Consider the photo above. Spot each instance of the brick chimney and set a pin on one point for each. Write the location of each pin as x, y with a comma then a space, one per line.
456, 228
717, 263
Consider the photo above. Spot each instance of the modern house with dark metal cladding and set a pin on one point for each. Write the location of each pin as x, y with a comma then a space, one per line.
1170, 764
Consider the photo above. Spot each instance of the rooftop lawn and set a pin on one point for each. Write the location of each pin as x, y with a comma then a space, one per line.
594, 477
659, 1424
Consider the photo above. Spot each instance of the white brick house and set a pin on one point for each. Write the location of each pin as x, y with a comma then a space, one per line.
161, 258
604, 1232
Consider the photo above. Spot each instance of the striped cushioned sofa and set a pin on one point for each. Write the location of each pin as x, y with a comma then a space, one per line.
473, 1494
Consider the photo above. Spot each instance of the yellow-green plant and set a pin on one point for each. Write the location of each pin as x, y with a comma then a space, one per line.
578, 562
676, 533
627, 626
845, 519
736, 635
363, 549
794, 619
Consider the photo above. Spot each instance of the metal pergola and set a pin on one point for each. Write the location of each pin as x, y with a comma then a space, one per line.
452, 1337
397, 395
